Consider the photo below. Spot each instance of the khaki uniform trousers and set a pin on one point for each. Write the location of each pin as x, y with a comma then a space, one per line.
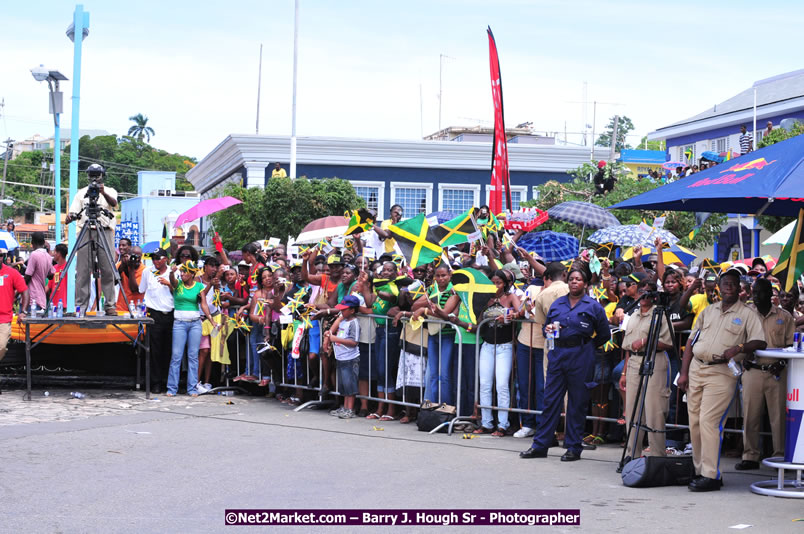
712, 389
761, 389
657, 399
5, 334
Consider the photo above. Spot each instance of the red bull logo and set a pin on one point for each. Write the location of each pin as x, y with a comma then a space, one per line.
793, 395
757, 164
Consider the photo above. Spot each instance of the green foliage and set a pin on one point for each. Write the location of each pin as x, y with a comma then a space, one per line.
27, 168
624, 127
282, 209
123, 157
644, 144
581, 188
771, 222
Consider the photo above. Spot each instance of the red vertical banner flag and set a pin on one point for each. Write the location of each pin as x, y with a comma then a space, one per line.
500, 177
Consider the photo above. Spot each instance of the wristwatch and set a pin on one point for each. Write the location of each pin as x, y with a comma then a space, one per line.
451, 316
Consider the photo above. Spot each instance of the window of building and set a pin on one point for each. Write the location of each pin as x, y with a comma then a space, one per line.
413, 197
458, 198
720, 145
683, 154
519, 194
373, 193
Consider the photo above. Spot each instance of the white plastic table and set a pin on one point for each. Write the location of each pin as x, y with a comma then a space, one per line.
794, 431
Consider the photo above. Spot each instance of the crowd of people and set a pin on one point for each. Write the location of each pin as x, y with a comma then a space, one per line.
355, 325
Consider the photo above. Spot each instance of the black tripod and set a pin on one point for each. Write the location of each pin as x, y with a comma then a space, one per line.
660, 311
90, 236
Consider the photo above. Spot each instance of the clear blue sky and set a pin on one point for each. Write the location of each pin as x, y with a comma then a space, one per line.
191, 66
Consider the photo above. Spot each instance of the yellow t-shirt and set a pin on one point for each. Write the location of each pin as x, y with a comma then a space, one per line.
279, 173
698, 303
389, 243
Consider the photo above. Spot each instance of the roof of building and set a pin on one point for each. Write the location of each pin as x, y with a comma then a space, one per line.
642, 156
777, 94
27, 227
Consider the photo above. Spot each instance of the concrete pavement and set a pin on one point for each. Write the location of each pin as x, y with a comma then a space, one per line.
114, 462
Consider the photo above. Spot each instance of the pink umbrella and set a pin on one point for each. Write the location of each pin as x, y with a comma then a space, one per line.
206, 207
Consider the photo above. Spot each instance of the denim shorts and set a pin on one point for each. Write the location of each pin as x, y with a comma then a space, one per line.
367, 359
347, 376
602, 368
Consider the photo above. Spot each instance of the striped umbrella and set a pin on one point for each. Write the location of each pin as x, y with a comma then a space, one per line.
551, 246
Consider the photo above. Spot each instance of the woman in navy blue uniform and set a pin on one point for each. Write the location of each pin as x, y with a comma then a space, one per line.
571, 364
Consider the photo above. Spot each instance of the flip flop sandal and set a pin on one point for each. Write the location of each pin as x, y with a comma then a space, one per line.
598, 441
373, 416
499, 433
483, 430
589, 439
387, 418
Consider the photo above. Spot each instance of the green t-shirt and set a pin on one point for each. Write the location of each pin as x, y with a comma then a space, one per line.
186, 298
463, 315
381, 306
442, 298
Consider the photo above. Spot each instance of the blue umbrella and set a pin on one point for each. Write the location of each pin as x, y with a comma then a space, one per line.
551, 246
150, 247
766, 181
629, 235
7, 241
583, 214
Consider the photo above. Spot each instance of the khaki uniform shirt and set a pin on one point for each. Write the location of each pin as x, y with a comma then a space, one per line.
543, 302
778, 327
80, 201
638, 327
531, 334
722, 330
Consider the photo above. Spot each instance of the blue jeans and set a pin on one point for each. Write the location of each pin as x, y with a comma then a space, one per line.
253, 360
530, 382
386, 374
495, 365
439, 369
184, 333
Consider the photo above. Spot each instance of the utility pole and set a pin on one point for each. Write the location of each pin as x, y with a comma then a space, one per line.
295, 78
259, 84
441, 58
613, 147
9, 146
594, 117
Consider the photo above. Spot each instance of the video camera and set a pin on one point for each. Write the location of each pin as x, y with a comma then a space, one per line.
95, 173
658, 297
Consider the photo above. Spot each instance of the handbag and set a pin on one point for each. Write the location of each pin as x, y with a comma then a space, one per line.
432, 415
654, 471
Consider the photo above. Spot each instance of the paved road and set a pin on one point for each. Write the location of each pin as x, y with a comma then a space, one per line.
114, 462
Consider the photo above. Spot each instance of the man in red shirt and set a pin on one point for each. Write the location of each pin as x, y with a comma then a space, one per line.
130, 270
11, 283
60, 257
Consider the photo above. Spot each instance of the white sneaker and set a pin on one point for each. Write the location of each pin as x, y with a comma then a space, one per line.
524, 432
337, 412
347, 414
208, 386
202, 388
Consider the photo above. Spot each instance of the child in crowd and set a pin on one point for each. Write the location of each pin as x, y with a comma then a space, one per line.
343, 336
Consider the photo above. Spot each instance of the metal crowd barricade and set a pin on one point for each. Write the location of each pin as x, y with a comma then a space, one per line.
285, 357
512, 386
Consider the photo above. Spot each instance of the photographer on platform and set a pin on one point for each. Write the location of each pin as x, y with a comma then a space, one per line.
106, 200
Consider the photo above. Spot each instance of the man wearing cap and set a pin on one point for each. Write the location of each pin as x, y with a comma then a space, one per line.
765, 379
155, 285
724, 330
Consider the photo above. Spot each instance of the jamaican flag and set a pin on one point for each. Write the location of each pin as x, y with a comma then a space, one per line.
360, 221
709, 265
475, 290
455, 231
791, 262
700, 219
492, 224
164, 244
412, 238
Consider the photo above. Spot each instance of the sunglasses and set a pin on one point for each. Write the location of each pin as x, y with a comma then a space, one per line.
185, 255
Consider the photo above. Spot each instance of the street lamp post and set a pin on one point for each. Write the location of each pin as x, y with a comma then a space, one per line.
53, 77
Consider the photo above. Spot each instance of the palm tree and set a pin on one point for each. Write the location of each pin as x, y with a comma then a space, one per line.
140, 129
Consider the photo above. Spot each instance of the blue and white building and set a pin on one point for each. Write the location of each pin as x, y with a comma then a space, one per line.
157, 202
421, 176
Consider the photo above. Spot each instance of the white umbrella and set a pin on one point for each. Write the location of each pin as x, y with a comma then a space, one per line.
322, 228
782, 236
7, 242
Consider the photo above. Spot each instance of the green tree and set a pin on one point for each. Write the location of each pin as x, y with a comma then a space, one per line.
678, 223
30, 168
770, 222
644, 144
282, 209
624, 127
140, 128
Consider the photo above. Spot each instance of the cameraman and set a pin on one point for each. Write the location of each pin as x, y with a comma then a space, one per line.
107, 200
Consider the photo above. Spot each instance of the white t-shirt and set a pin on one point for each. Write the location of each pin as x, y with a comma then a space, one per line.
158, 297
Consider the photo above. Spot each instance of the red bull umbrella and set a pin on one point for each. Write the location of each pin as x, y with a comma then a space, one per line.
767, 181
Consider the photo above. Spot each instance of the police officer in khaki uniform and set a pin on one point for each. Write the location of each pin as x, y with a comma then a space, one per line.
657, 396
765, 379
724, 330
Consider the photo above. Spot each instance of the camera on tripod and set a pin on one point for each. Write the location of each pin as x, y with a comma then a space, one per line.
658, 297
95, 174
